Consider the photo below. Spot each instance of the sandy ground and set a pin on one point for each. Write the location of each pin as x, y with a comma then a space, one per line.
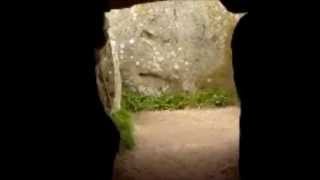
183, 145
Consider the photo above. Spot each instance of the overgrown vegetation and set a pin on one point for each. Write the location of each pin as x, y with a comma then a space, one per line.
135, 102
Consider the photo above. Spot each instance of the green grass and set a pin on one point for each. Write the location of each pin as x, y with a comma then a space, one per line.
124, 123
135, 102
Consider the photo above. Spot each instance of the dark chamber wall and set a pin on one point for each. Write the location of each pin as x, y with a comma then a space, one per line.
116, 4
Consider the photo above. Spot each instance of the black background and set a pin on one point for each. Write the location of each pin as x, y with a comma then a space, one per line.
44, 132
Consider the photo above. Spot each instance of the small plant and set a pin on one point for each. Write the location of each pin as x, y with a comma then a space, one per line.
124, 123
218, 98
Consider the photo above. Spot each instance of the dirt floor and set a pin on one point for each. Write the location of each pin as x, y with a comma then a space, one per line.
183, 145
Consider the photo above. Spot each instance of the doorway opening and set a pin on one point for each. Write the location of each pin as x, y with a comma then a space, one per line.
165, 76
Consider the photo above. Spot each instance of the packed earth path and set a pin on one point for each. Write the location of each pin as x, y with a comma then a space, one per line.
195, 144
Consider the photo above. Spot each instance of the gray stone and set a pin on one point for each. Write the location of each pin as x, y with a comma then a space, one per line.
172, 45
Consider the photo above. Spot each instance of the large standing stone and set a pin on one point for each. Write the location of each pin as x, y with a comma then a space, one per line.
172, 45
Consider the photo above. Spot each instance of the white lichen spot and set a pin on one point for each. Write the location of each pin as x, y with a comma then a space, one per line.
131, 57
113, 42
157, 67
180, 49
157, 52
209, 80
122, 46
134, 13
132, 41
137, 63
160, 59
176, 67
186, 63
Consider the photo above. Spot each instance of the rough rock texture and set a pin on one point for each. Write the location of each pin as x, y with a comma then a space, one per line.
105, 77
172, 45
